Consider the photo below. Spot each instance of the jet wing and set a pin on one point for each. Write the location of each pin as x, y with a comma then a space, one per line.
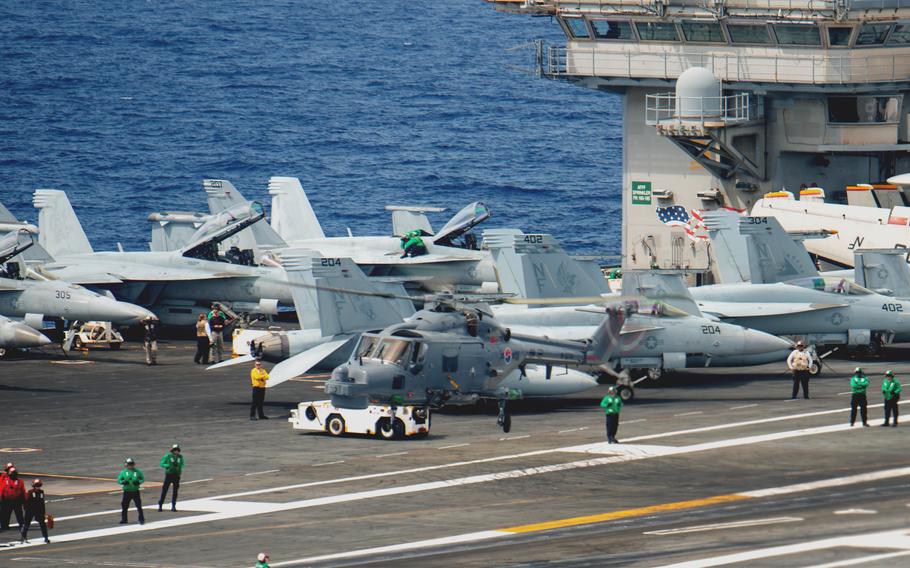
756, 309
118, 273
395, 258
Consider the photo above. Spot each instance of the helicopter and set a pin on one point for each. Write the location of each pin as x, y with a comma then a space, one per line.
452, 351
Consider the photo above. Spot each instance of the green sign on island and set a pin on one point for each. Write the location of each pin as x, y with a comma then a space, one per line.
641, 193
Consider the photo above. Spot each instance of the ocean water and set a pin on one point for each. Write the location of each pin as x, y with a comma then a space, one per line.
128, 106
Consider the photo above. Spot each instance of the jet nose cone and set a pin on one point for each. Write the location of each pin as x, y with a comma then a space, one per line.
122, 312
24, 336
755, 342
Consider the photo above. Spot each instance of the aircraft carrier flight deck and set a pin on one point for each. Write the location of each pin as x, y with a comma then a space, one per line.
713, 468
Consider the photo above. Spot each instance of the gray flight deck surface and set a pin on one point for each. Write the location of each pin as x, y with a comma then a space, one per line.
662, 497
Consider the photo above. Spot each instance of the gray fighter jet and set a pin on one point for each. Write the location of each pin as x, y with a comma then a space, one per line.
171, 283
452, 260
664, 333
32, 300
797, 302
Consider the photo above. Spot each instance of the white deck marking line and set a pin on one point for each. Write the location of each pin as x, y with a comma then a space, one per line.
634, 421
497, 458
843, 393
390, 455
891, 539
569, 430
452, 446
827, 483
748, 423
856, 512
690, 413
457, 539
862, 560
261, 472
733, 525
63, 499
197, 481
217, 509
507, 438
742, 406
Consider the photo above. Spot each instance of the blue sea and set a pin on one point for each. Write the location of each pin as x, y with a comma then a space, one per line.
128, 106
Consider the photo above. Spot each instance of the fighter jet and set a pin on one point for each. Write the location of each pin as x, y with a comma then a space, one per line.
172, 283
662, 333
32, 300
337, 302
799, 303
17, 335
452, 260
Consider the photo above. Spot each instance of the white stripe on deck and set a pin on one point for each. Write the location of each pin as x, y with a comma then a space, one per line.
886, 540
721, 526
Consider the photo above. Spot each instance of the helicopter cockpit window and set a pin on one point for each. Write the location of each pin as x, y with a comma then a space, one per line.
393, 351
367, 343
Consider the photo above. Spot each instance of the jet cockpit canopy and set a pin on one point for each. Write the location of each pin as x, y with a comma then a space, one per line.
832, 285
461, 223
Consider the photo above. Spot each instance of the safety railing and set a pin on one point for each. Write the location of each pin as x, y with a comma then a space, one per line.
563, 62
738, 108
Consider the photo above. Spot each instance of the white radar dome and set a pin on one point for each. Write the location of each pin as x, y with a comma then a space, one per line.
698, 94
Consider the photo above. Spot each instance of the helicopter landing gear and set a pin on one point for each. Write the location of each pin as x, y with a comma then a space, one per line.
504, 420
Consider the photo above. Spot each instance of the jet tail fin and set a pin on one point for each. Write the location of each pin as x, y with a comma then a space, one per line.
883, 270
774, 255
536, 266
756, 249
60, 234
222, 195
730, 249
665, 285
338, 296
293, 217
861, 195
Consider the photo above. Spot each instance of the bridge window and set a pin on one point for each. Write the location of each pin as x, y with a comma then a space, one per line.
612, 29
703, 32
748, 34
900, 35
796, 34
872, 34
839, 36
863, 110
577, 27
657, 31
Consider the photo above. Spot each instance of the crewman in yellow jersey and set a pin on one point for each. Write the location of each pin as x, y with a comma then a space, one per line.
258, 377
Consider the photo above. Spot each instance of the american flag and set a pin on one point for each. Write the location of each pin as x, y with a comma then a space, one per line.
677, 216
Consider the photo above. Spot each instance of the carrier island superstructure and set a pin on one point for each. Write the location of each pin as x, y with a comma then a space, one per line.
726, 100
